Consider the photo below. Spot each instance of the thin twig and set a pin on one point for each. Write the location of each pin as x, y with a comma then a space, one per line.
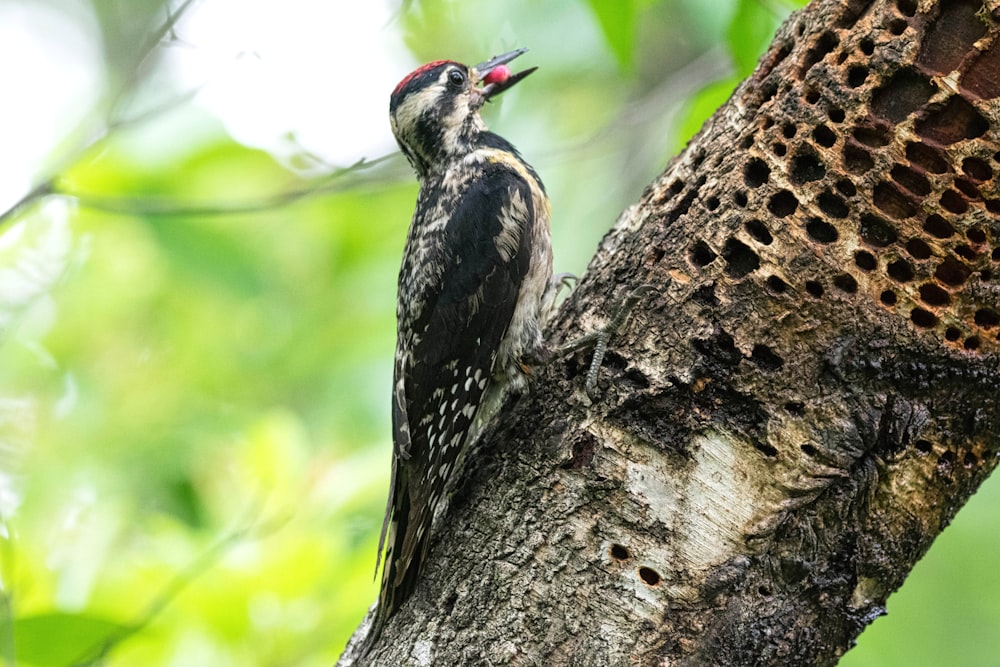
173, 588
102, 128
144, 206
39, 191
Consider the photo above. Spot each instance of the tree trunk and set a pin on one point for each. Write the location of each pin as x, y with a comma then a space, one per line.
802, 406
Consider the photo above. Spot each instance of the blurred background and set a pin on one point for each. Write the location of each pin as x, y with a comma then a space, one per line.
203, 215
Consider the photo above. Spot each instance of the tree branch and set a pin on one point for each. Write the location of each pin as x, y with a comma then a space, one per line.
335, 181
783, 430
108, 121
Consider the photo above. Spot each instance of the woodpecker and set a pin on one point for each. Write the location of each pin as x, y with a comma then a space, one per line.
474, 292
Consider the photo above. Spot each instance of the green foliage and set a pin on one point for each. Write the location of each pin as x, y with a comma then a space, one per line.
81, 638
749, 33
701, 106
618, 23
195, 357
192, 379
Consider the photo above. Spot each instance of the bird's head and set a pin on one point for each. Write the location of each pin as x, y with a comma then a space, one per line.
434, 110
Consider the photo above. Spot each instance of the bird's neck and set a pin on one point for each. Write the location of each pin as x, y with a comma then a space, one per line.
437, 149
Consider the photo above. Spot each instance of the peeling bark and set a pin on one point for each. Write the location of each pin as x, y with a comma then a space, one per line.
804, 404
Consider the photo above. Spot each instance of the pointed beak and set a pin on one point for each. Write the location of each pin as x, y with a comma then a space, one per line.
502, 79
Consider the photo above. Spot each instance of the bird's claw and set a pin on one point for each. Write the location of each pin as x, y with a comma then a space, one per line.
602, 337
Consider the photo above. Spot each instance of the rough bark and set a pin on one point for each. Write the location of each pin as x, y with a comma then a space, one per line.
804, 404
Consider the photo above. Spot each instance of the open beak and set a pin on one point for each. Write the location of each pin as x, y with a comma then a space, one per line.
495, 87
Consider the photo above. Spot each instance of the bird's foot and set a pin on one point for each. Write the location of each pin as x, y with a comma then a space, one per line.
600, 339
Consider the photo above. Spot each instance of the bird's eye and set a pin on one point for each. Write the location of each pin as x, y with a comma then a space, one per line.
456, 78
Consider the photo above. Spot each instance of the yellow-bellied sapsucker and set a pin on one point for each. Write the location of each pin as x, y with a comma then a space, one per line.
474, 288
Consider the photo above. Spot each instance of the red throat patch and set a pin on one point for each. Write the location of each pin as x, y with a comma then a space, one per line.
417, 72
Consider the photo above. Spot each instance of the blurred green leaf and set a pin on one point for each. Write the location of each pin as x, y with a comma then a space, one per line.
618, 22
208, 254
750, 31
57, 639
701, 106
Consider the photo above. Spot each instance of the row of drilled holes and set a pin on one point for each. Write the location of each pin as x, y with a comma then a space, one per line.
742, 260
648, 575
950, 271
805, 166
923, 446
948, 458
945, 461
856, 76
828, 41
